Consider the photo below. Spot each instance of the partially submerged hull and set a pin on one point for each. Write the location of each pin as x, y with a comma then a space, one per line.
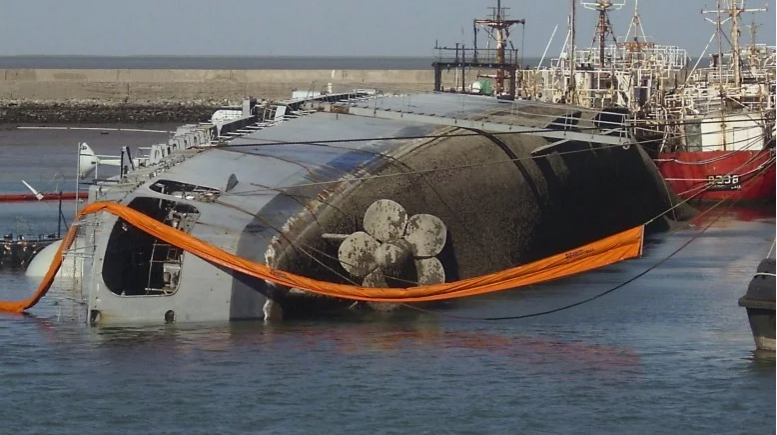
759, 302
717, 175
506, 183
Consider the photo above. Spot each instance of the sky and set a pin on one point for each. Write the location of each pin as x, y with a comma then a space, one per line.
325, 27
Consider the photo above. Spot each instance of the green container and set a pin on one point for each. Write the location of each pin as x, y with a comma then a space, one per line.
485, 87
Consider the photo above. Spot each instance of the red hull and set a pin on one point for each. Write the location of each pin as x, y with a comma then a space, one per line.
17, 197
737, 175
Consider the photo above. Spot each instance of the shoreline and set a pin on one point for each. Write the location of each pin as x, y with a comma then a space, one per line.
102, 112
214, 62
76, 96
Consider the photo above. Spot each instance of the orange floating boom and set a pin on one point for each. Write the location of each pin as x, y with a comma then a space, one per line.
612, 249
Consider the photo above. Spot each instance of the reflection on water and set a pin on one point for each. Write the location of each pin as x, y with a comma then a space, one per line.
764, 359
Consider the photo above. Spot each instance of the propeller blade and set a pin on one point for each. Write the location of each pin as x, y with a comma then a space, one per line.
375, 279
427, 235
357, 254
385, 220
395, 257
429, 271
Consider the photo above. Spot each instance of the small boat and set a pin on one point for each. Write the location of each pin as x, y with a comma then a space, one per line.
759, 301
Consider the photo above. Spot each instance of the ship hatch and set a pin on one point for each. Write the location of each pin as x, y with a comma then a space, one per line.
137, 264
186, 191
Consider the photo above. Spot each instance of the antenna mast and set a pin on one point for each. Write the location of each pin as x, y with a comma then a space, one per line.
572, 86
734, 10
753, 26
636, 24
499, 29
603, 26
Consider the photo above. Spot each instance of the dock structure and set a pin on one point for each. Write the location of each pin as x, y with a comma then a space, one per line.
508, 67
504, 61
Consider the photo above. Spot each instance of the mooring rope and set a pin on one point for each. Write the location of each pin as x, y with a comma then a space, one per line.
535, 130
606, 292
617, 247
503, 280
751, 142
327, 144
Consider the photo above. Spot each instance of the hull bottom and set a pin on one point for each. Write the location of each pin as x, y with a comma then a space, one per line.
759, 302
762, 324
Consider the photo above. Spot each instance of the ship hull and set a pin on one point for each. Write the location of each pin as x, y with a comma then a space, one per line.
287, 196
747, 176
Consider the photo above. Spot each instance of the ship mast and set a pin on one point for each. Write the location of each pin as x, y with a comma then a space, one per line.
497, 26
499, 29
603, 26
753, 26
734, 10
572, 86
636, 25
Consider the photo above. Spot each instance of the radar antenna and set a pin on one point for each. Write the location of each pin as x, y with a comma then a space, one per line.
603, 26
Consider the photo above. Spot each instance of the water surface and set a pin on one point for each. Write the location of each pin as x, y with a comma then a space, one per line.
669, 353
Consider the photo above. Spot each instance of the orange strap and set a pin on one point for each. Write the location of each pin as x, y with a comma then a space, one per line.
618, 247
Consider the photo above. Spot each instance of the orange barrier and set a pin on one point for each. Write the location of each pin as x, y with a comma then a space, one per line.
618, 247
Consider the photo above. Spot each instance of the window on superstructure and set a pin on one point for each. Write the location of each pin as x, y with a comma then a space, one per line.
693, 136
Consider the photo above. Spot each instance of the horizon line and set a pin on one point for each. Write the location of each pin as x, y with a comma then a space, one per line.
316, 56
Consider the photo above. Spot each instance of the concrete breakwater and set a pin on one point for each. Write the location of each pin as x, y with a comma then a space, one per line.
98, 112
126, 95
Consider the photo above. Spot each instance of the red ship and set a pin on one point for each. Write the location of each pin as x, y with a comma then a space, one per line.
729, 156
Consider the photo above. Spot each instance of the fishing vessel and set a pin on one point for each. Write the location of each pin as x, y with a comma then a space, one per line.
723, 156
361, 200
709, 129
724, 117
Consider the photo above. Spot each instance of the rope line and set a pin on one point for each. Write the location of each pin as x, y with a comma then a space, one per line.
606, 292
439, 136
427, 171
771, 250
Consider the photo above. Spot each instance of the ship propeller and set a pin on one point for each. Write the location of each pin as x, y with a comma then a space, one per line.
394, 248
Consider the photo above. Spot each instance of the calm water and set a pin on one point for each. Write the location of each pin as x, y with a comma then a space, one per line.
670, 353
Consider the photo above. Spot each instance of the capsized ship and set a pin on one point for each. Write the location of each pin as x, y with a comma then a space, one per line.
385, 191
